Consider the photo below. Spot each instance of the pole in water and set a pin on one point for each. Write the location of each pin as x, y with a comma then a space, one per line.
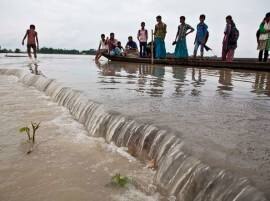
152, 47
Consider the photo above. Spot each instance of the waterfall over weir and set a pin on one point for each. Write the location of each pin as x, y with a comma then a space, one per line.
178, 174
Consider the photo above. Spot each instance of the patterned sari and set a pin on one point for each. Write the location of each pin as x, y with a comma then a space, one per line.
181, 50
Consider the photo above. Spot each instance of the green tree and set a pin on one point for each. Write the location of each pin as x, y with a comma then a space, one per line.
17, 50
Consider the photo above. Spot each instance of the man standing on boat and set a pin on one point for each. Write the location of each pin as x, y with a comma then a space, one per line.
160, 34
142, 38
32, 38
201, 36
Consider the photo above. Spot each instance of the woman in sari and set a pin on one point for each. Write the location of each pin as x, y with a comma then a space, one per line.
160, 34
180, 39
229, 43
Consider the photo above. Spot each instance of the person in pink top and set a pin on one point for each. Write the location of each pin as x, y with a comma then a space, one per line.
32, 41
142, 37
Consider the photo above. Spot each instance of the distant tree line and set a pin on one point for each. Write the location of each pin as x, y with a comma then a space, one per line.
4, 50
46, 50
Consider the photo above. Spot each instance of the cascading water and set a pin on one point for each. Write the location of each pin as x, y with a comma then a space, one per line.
178, 174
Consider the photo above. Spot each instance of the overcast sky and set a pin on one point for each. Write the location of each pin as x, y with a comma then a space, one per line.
78, 24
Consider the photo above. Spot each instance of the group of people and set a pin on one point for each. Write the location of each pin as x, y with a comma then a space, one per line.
229, 44
112, 46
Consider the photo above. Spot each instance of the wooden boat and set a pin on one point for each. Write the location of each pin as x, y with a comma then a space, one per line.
240, 63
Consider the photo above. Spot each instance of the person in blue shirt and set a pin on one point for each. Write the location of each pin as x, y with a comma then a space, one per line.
131, 44
201, 36
131, 48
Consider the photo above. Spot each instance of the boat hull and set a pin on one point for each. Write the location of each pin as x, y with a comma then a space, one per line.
250, 64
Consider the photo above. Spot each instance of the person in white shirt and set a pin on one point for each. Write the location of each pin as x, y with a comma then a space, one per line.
102, 48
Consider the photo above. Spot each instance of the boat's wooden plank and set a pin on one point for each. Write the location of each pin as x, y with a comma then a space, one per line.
250, 64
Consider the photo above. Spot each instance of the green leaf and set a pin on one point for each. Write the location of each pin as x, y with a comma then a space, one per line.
24, 129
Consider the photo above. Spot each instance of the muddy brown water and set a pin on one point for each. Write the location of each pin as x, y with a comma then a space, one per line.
222, 116
65, 163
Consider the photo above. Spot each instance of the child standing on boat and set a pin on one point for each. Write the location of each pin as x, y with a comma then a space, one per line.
142, 38
180, 39
201, 36
32, 41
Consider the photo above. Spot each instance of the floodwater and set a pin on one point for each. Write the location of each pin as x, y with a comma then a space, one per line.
65, 164
221, 115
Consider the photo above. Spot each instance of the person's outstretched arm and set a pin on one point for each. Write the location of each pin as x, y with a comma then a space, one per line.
191, 30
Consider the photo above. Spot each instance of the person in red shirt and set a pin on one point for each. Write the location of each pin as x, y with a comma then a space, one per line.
32, 41
112, 44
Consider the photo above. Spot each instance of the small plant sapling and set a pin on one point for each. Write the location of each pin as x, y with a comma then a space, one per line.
27, 130
35, 126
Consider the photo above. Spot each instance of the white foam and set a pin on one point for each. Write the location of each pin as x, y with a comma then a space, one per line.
133, 194
67, 125
122, 151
